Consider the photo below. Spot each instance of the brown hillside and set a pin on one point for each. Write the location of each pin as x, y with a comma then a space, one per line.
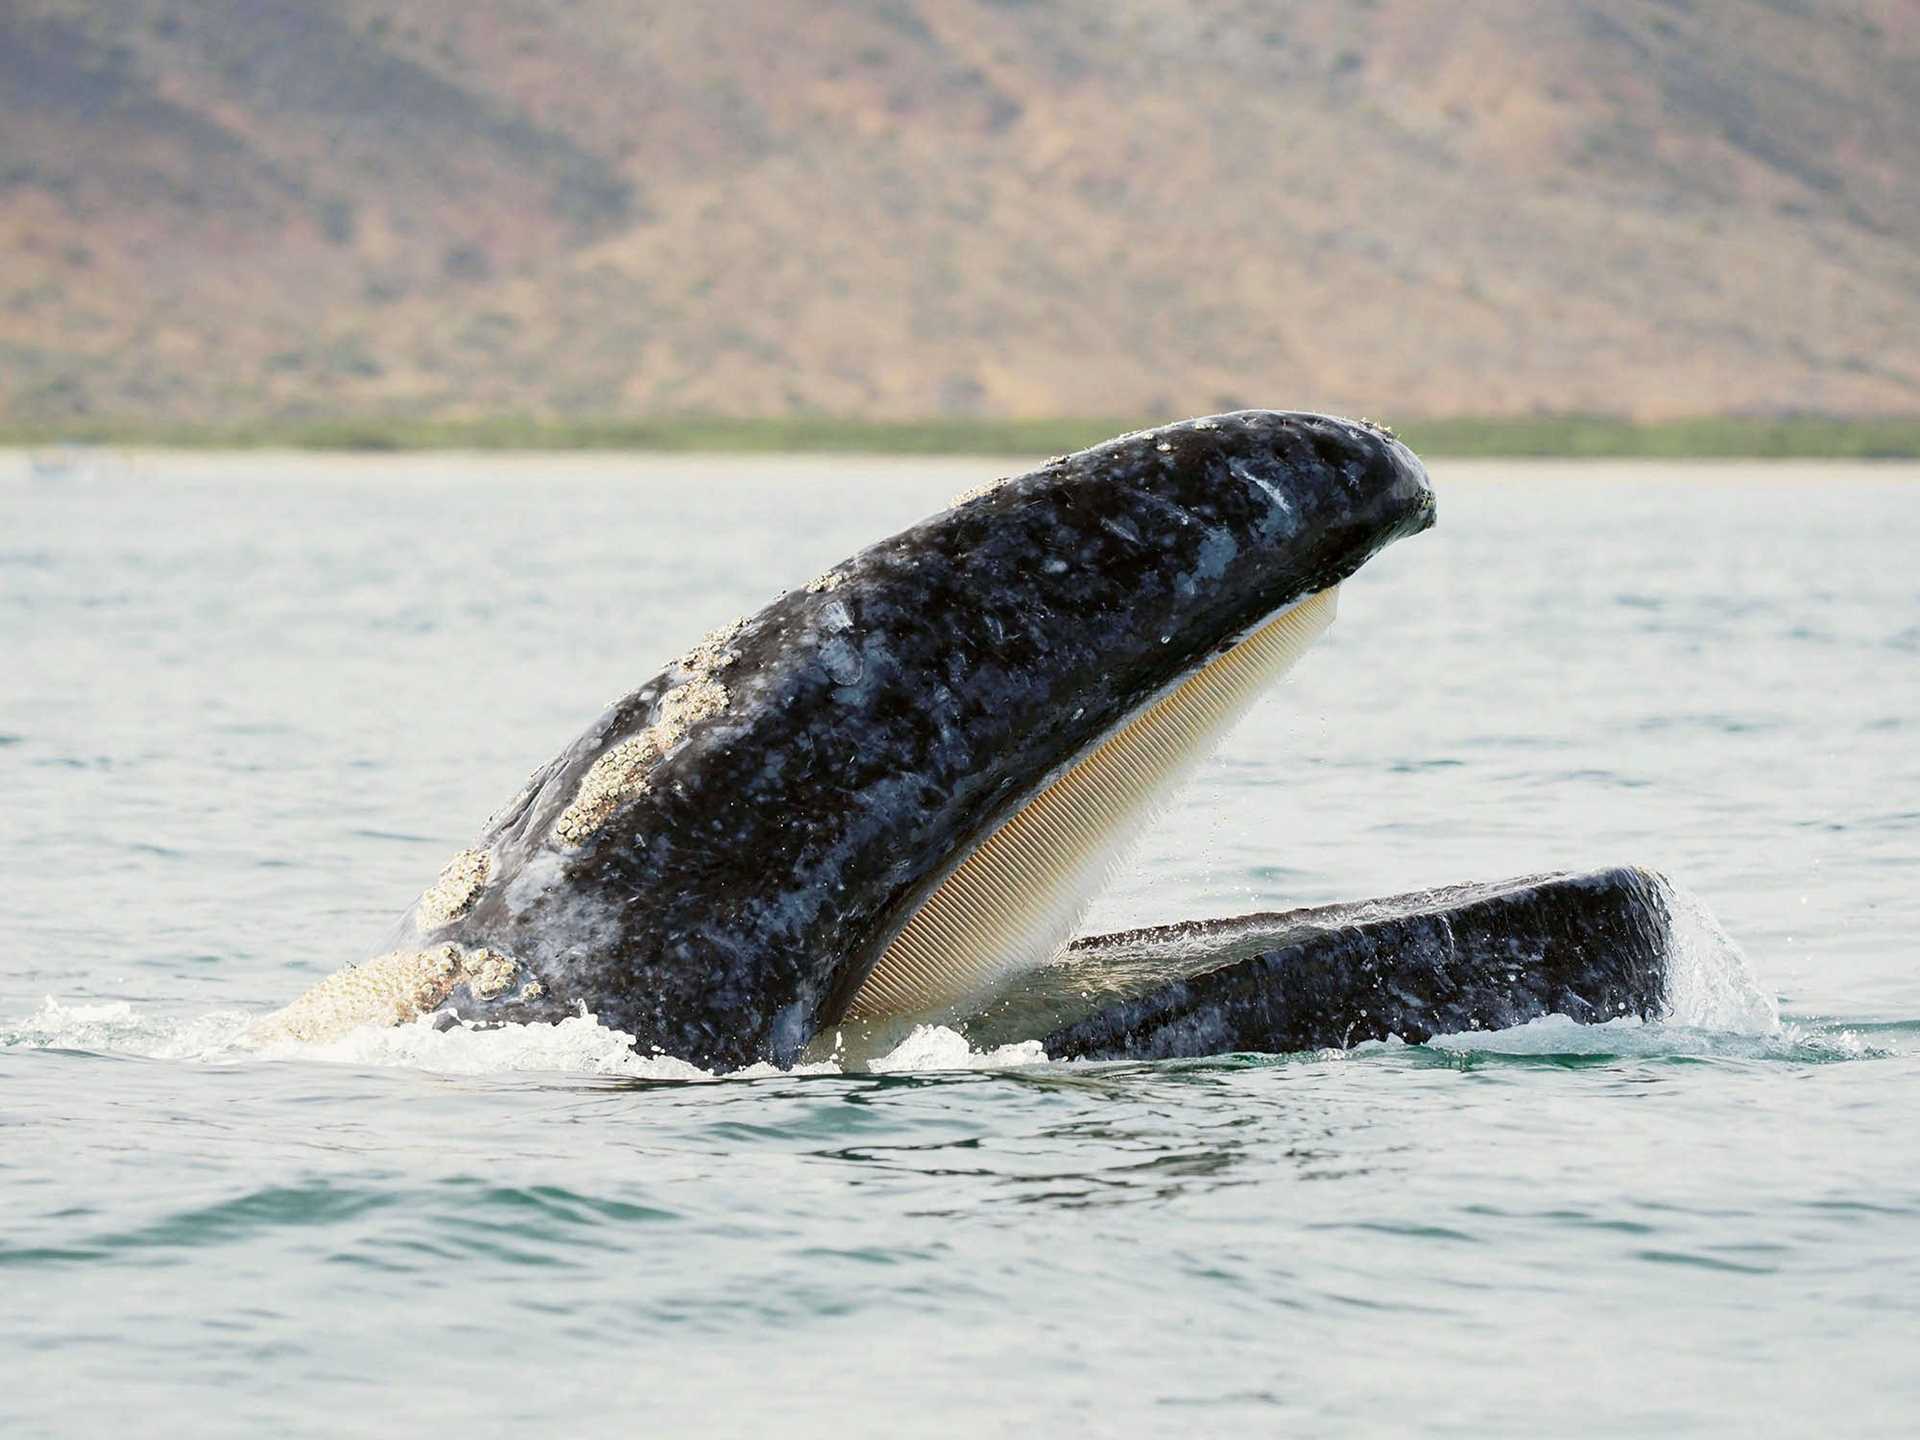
215, 209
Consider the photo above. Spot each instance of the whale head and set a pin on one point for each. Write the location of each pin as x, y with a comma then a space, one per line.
897, 787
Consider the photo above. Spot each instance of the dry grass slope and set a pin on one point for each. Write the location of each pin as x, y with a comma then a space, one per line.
230, 211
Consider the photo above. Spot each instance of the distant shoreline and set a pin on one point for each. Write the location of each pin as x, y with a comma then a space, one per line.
1565, 436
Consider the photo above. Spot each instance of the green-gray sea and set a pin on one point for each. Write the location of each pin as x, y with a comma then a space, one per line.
249, 703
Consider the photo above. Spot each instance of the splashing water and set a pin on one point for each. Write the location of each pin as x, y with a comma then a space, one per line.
1710, 983
1716, 1007
116, 1028
578, 1045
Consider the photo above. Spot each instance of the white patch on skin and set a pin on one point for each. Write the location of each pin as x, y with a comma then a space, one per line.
390, 989
1217, 552
453, 894
843, 663
1283, 507
520, 798
540, 874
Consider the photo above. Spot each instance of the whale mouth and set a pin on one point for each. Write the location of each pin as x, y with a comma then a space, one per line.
1013, 900
893, 793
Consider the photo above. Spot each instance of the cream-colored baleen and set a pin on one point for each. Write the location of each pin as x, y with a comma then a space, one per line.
1015, 901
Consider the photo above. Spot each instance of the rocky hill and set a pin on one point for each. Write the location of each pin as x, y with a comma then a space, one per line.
221, 208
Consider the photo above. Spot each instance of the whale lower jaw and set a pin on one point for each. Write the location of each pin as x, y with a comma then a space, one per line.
1596, 946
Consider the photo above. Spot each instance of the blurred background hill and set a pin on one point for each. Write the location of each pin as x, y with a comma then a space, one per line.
213, 209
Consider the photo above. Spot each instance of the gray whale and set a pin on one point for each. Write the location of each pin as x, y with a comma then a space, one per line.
888, 796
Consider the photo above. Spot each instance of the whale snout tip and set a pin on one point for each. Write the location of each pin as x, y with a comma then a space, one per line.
1385, 487
1414, 481
1408, 489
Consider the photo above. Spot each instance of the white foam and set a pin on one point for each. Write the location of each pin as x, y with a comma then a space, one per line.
1631, 1037
114, 1027
935, 1047
1562, 1035
1717, 1008
578, 1045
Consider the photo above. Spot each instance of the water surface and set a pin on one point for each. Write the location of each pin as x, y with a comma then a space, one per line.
251, 703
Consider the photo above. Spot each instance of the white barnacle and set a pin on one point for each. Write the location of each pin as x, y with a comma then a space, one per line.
390, 989
976, 492
685, 706
490, 973
625, 769
715, 651
972, 493
620, 772
453, 894
821, 584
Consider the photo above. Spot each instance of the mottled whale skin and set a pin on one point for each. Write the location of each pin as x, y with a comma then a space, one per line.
715, 865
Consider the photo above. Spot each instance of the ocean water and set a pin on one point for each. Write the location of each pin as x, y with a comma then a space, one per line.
249, 704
